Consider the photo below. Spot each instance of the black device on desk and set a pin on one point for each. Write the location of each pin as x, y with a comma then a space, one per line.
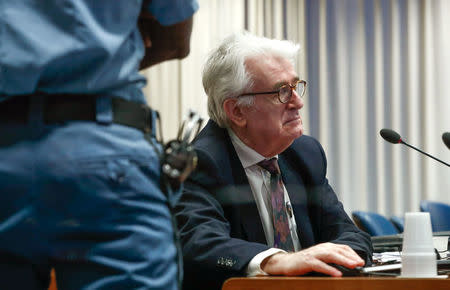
387, 269
346, 272
394, 242
387, 243
394, 269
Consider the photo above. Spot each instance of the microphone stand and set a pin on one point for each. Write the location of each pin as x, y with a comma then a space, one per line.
403, 142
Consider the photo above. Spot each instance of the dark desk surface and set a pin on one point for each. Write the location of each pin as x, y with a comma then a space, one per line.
328, 283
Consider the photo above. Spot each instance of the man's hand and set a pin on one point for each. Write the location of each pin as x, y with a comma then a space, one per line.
315, 259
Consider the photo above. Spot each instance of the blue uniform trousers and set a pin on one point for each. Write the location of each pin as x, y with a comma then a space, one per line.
82, 197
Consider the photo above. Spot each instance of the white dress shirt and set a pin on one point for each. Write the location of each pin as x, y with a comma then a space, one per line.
259, 180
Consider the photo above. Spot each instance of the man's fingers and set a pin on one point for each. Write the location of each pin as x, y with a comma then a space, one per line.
324, 268
342, 260
313, 259
336, 254
303, 263
351, 255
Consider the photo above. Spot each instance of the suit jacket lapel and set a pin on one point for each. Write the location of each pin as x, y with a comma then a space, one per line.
241, 196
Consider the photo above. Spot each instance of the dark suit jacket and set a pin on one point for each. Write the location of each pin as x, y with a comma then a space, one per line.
220, 227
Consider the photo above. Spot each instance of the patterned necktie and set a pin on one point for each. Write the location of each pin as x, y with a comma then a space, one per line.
282, 234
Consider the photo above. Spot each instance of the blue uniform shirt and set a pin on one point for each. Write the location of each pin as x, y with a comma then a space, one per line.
77, 46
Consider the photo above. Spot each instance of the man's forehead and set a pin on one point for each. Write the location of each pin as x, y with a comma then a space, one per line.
278, 70
286, 82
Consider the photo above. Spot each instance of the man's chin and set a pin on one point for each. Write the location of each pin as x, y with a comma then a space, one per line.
295, 129
300, 133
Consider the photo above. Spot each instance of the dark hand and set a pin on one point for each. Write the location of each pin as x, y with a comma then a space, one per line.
163, 42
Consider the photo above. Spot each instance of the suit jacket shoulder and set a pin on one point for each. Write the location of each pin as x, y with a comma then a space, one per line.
307, 152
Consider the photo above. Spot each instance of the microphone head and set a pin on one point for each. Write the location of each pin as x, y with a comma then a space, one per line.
446, 139
390, 136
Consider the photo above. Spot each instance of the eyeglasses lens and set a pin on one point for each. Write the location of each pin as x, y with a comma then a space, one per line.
285, 93
300, 88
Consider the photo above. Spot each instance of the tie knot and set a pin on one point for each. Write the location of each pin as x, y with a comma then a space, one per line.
270, 165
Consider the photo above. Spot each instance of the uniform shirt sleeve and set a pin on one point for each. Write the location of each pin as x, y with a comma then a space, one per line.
254, 266
169, 12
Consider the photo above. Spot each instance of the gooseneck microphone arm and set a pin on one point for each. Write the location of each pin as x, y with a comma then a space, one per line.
445, 163
393, 137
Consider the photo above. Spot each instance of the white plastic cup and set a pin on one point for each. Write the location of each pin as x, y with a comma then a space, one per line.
418, 256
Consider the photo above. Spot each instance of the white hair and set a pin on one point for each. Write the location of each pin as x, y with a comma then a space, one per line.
225, 75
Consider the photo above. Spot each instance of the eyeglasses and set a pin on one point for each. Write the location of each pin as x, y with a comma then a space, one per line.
284, 92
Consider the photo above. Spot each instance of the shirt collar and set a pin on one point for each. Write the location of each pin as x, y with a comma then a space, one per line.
247, 155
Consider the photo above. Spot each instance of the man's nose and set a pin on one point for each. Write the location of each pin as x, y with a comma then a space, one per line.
296, 101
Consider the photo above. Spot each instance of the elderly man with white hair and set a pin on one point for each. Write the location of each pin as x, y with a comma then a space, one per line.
259, 202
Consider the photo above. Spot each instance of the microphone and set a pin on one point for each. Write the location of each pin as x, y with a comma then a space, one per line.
393, 137
446, 139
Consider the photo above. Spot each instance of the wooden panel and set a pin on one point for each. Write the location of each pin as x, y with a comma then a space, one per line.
354, 283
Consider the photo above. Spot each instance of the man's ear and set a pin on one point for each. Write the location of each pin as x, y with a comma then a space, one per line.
234, 112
